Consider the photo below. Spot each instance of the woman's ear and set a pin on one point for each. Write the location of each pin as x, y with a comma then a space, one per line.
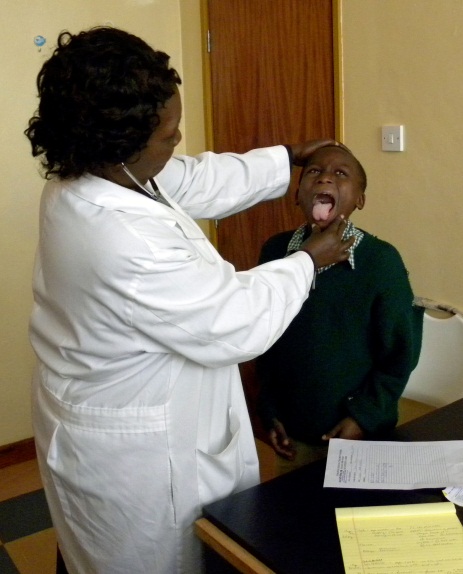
360, 203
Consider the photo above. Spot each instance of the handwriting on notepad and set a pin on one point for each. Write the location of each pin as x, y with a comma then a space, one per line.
406, 539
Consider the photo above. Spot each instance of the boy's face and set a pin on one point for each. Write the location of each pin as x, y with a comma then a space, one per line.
331, 185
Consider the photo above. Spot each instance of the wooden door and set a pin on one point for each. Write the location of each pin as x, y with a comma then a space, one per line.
272, 82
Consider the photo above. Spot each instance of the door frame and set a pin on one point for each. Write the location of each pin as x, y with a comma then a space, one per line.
207, 87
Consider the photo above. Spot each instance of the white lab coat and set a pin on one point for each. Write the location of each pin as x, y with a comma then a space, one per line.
138, 326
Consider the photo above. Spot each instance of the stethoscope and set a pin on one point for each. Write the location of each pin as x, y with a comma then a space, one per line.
152, 194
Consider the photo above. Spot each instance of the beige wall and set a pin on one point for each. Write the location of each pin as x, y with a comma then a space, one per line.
162, 23
403, 64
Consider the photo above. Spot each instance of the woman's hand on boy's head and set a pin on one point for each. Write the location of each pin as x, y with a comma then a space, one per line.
327, 247
348, 428
302, 151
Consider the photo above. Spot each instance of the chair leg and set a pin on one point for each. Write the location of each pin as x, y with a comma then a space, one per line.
60, 565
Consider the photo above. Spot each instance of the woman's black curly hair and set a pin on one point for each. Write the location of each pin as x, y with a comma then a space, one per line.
100, 93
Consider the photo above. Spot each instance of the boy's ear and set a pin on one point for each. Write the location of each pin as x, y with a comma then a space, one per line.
360, 203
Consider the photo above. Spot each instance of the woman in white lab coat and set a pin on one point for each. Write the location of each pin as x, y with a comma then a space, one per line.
138, 323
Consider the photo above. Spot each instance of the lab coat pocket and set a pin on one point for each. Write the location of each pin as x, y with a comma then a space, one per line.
219, 474
206, 250
197, 239
105, 489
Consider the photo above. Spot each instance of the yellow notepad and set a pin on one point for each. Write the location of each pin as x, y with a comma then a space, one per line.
402, 539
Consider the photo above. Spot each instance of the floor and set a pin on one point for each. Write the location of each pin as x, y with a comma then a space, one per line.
27, 539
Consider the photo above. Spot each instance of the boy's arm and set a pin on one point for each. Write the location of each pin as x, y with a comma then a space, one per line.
273, 248
266, 404
267, 407
397, 328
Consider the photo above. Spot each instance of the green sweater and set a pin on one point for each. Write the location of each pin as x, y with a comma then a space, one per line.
349, 351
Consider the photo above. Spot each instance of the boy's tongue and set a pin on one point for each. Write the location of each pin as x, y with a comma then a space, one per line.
321, 209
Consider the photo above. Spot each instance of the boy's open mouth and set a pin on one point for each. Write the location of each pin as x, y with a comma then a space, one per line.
323, 203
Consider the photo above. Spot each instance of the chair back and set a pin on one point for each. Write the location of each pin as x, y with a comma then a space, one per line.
438, 378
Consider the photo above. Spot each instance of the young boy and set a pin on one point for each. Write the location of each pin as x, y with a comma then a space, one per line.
341, 366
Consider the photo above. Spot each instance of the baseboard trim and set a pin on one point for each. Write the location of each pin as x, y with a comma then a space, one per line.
17, 452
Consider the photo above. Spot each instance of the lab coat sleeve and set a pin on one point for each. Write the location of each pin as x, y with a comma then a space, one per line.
213, 186
204, 310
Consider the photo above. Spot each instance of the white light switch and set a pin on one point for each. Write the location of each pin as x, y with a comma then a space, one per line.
392, 138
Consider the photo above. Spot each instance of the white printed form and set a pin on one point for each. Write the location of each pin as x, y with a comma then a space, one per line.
394, 465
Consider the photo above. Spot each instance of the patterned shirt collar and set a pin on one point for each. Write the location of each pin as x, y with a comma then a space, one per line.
351, 231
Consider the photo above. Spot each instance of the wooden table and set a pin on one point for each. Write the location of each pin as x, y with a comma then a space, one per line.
288, 526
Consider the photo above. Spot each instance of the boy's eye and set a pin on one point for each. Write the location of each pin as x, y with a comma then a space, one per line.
340, 172
313, 170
